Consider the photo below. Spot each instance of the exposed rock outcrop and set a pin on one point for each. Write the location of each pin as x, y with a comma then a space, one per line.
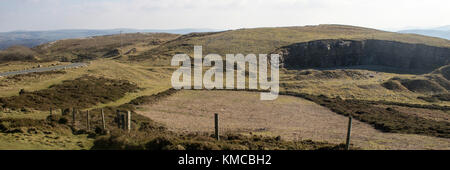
336, 53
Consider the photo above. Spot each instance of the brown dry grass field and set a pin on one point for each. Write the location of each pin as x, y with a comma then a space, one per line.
290, 117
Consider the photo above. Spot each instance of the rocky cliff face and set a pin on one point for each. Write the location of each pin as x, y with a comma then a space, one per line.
336, 53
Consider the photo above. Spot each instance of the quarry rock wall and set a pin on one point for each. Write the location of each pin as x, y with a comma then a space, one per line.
337, 53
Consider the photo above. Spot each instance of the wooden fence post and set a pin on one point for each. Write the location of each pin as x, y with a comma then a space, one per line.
129, 121
123, 121
349, 131
73, 117
216, 125
88, 127
103, 120
124, 118
118, 118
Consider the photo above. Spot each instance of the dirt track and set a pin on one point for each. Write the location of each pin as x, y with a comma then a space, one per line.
290, 117
35, 70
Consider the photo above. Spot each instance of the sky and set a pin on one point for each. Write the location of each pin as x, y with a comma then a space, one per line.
219, 14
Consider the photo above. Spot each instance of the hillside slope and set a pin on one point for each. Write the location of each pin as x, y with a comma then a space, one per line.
102, 46
266, 40
18, 53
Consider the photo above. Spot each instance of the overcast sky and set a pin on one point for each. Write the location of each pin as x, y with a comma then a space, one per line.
219, 14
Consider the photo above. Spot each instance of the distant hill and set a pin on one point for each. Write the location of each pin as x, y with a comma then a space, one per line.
445, 28
34, 38
441, 32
